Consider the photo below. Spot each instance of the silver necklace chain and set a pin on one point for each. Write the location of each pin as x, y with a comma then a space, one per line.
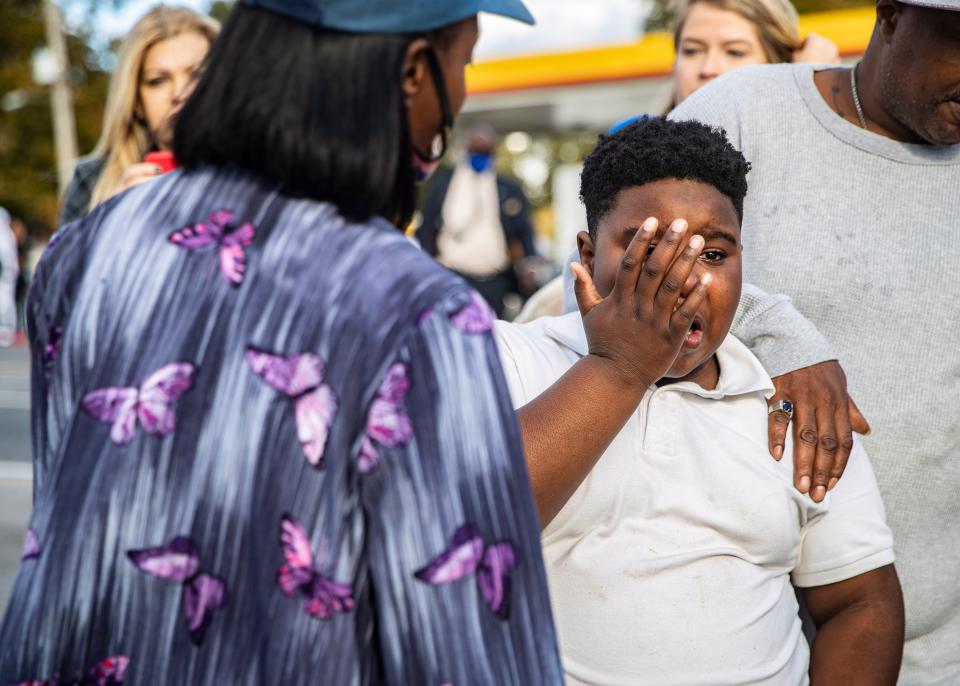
856, 96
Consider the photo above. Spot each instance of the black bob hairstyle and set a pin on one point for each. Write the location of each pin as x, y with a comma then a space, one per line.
319, 113
656, 148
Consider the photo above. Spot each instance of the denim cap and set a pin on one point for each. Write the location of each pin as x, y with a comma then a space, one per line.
390, 16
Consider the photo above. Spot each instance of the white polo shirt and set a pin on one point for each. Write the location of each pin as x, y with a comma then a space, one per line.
672, 562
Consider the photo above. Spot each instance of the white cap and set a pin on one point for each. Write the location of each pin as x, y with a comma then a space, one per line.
935, 4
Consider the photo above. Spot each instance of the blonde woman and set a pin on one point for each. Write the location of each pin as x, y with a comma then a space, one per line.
712, 37
155, 73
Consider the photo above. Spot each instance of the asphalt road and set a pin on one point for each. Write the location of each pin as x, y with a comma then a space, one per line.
15, 472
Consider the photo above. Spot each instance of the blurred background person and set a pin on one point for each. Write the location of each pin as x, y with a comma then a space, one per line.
156, 72
9, 273
476, 222
25, 246
712, 37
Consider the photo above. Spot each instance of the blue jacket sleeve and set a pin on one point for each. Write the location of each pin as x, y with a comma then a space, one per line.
452, 538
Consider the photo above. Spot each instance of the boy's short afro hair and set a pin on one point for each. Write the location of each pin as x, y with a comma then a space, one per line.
656, 148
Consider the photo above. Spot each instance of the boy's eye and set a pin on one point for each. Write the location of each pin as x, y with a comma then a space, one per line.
713, 255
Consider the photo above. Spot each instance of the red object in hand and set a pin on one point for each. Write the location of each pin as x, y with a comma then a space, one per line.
163, 159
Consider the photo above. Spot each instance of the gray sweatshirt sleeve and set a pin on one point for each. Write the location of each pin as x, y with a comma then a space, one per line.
781, 338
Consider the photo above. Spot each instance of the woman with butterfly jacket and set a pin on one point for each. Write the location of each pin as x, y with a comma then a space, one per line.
272, 440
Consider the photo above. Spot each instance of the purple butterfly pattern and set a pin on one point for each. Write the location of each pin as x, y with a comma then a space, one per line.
54, 239
300, 378
388, 424
474, 318
466, 555
31, 546
51, 350
300, 572
151, 403
230, 240
108, 672
179, 560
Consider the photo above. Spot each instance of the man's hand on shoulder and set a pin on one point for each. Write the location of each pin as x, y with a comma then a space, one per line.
824, 419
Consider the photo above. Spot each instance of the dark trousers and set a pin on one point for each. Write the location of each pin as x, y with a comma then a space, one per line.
493, 288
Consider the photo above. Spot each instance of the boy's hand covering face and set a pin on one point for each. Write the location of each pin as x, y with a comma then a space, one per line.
648, 308
642, 324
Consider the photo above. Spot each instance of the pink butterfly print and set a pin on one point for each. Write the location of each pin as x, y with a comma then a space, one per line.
324, 596
387, 422
151, 403
107, 672
51, 351
230, 241
474, 317
467, 554
202, 593
300, 377
110, 671
55, 238
31, 546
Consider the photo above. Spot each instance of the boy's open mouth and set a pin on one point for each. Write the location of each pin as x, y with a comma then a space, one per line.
695, 334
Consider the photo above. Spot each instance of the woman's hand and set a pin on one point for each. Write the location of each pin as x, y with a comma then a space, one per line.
817, 50
640, 326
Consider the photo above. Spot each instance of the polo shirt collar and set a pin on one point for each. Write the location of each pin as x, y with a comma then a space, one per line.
740, 371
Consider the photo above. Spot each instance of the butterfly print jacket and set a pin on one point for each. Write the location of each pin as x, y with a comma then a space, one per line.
248, 449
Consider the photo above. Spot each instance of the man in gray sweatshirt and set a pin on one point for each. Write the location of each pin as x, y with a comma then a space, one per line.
852, 212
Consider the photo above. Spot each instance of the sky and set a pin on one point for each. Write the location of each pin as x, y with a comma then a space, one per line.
561, 24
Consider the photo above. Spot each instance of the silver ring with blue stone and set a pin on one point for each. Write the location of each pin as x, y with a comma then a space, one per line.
784, 406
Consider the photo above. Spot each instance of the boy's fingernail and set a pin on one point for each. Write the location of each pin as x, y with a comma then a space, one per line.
650, 225
706, 279
833, 482
804, 484
819, 493
778, 452
679, 226
696, 242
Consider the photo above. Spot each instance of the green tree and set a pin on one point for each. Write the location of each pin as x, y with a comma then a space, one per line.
28, 184
220, 9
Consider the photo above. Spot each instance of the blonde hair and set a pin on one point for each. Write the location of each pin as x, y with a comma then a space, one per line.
125, 138
776, 22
